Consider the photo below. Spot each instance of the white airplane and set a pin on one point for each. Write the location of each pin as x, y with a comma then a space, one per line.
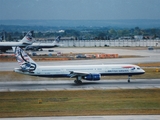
37, 46
86, 72
27, 40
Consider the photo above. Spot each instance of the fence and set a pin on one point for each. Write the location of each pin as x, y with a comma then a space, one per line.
114, 43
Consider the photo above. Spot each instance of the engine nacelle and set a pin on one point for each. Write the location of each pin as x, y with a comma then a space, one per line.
92, 77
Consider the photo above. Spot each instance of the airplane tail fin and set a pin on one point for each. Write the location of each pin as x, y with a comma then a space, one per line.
25, 62
28, 38
57, 39
56, 42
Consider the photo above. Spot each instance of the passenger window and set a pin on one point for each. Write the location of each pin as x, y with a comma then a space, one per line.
133, 68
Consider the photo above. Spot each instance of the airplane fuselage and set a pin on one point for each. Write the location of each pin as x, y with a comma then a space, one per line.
103, 70
8, 45
37, 46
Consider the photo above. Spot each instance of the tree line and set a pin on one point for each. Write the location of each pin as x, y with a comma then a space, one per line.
84, 33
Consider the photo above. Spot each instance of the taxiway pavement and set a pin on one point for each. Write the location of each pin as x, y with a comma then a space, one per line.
86, 85
115, 117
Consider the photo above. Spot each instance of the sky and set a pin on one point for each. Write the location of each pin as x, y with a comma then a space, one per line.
79, 9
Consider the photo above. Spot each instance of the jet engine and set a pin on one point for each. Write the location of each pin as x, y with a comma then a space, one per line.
92, 77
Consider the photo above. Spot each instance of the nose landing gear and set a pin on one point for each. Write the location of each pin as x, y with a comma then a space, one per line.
129, 78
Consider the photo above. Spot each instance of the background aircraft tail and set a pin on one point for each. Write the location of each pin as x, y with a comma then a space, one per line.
25, 62
28, 38
57, 40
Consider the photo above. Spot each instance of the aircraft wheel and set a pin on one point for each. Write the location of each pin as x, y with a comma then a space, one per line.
75, 81
78, 82
128, 80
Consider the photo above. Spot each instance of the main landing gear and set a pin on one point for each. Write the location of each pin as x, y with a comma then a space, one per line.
129, 78
78, 80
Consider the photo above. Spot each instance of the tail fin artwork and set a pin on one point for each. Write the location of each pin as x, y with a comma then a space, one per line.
57, 39
56, 42
25, 62
28, 38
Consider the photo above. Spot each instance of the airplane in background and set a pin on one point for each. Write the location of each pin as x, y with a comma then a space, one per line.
27, 40
37, 46
86, 72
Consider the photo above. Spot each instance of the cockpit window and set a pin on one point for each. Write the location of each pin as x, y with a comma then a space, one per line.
138, 68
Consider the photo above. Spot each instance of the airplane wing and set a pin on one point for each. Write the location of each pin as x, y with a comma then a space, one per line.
85, 75
78, 73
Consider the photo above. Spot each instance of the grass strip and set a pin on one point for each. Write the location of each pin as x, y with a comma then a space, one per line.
91, 102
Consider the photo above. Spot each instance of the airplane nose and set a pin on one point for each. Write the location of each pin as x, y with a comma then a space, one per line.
143, 71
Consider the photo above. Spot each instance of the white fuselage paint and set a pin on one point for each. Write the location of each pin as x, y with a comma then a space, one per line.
12, 44
64, 71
